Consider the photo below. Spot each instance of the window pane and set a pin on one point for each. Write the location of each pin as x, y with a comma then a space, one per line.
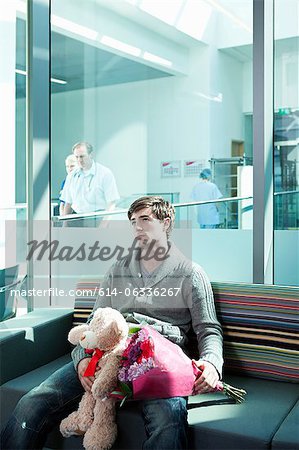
162, 90
13, 205
286, 143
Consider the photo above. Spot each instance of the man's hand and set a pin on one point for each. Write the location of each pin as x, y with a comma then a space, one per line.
207, 380
86, 382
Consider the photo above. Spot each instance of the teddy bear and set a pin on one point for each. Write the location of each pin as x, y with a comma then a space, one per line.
106, 334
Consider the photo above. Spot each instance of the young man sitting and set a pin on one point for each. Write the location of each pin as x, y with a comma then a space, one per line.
157, 265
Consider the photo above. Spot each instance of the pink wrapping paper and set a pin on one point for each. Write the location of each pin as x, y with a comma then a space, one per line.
153, 367
173, 373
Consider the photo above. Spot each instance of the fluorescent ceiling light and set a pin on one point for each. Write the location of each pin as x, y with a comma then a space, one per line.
58, 81
73, 27
229, 14
119, 45
64, 24
21, 72
53, 80
157, 59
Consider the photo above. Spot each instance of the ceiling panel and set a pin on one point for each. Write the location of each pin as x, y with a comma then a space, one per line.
82, 66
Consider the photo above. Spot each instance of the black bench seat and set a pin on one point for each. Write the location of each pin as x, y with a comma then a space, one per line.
266, 368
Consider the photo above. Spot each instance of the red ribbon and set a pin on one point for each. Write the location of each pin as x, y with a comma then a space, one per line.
91, 368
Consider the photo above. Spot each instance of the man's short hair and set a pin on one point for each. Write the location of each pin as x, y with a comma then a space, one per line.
87, 145
159, 206
71, 158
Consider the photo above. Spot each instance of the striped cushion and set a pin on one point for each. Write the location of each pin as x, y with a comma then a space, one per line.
86, 295
260, 327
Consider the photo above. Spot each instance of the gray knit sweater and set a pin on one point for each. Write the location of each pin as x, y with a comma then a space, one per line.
175, 298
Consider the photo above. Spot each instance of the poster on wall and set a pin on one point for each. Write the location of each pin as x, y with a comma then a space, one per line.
193, 167
170, 169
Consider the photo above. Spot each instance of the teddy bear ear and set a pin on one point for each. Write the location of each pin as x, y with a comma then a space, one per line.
76, 333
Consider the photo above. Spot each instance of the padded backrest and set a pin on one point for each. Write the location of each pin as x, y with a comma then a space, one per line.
260, 328
86, 295
8, 275
8, 283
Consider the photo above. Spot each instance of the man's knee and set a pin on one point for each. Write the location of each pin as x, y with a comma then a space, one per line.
32, 410
166, 412
165, 423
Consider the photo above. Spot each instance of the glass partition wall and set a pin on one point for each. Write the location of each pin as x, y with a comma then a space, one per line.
162, 91
286, 143
13, 199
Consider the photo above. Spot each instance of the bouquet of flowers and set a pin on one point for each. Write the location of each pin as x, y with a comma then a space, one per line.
153, 367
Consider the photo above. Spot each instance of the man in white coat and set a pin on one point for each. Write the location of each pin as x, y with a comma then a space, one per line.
91, 187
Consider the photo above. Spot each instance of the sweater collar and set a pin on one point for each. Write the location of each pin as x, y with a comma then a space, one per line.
165, 268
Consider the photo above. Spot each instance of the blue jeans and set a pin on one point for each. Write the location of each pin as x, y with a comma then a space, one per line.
46, 405
165, 423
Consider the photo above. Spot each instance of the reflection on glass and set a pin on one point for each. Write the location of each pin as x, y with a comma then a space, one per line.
286, 143
286, 169
161, 92
13, 207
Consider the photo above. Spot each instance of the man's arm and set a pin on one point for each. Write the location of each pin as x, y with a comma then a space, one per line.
111, 206
207, 380
86, 382
67, 209
61, 209
208, 331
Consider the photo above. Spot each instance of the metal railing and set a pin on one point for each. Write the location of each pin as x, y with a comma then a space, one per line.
230, 215
123, 211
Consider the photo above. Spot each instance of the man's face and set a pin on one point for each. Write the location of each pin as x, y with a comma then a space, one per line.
146, 228
70, 166
84, 160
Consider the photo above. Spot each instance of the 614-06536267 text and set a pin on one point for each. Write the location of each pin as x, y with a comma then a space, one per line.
139, 292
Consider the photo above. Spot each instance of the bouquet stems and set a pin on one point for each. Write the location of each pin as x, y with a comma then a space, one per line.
237, 394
